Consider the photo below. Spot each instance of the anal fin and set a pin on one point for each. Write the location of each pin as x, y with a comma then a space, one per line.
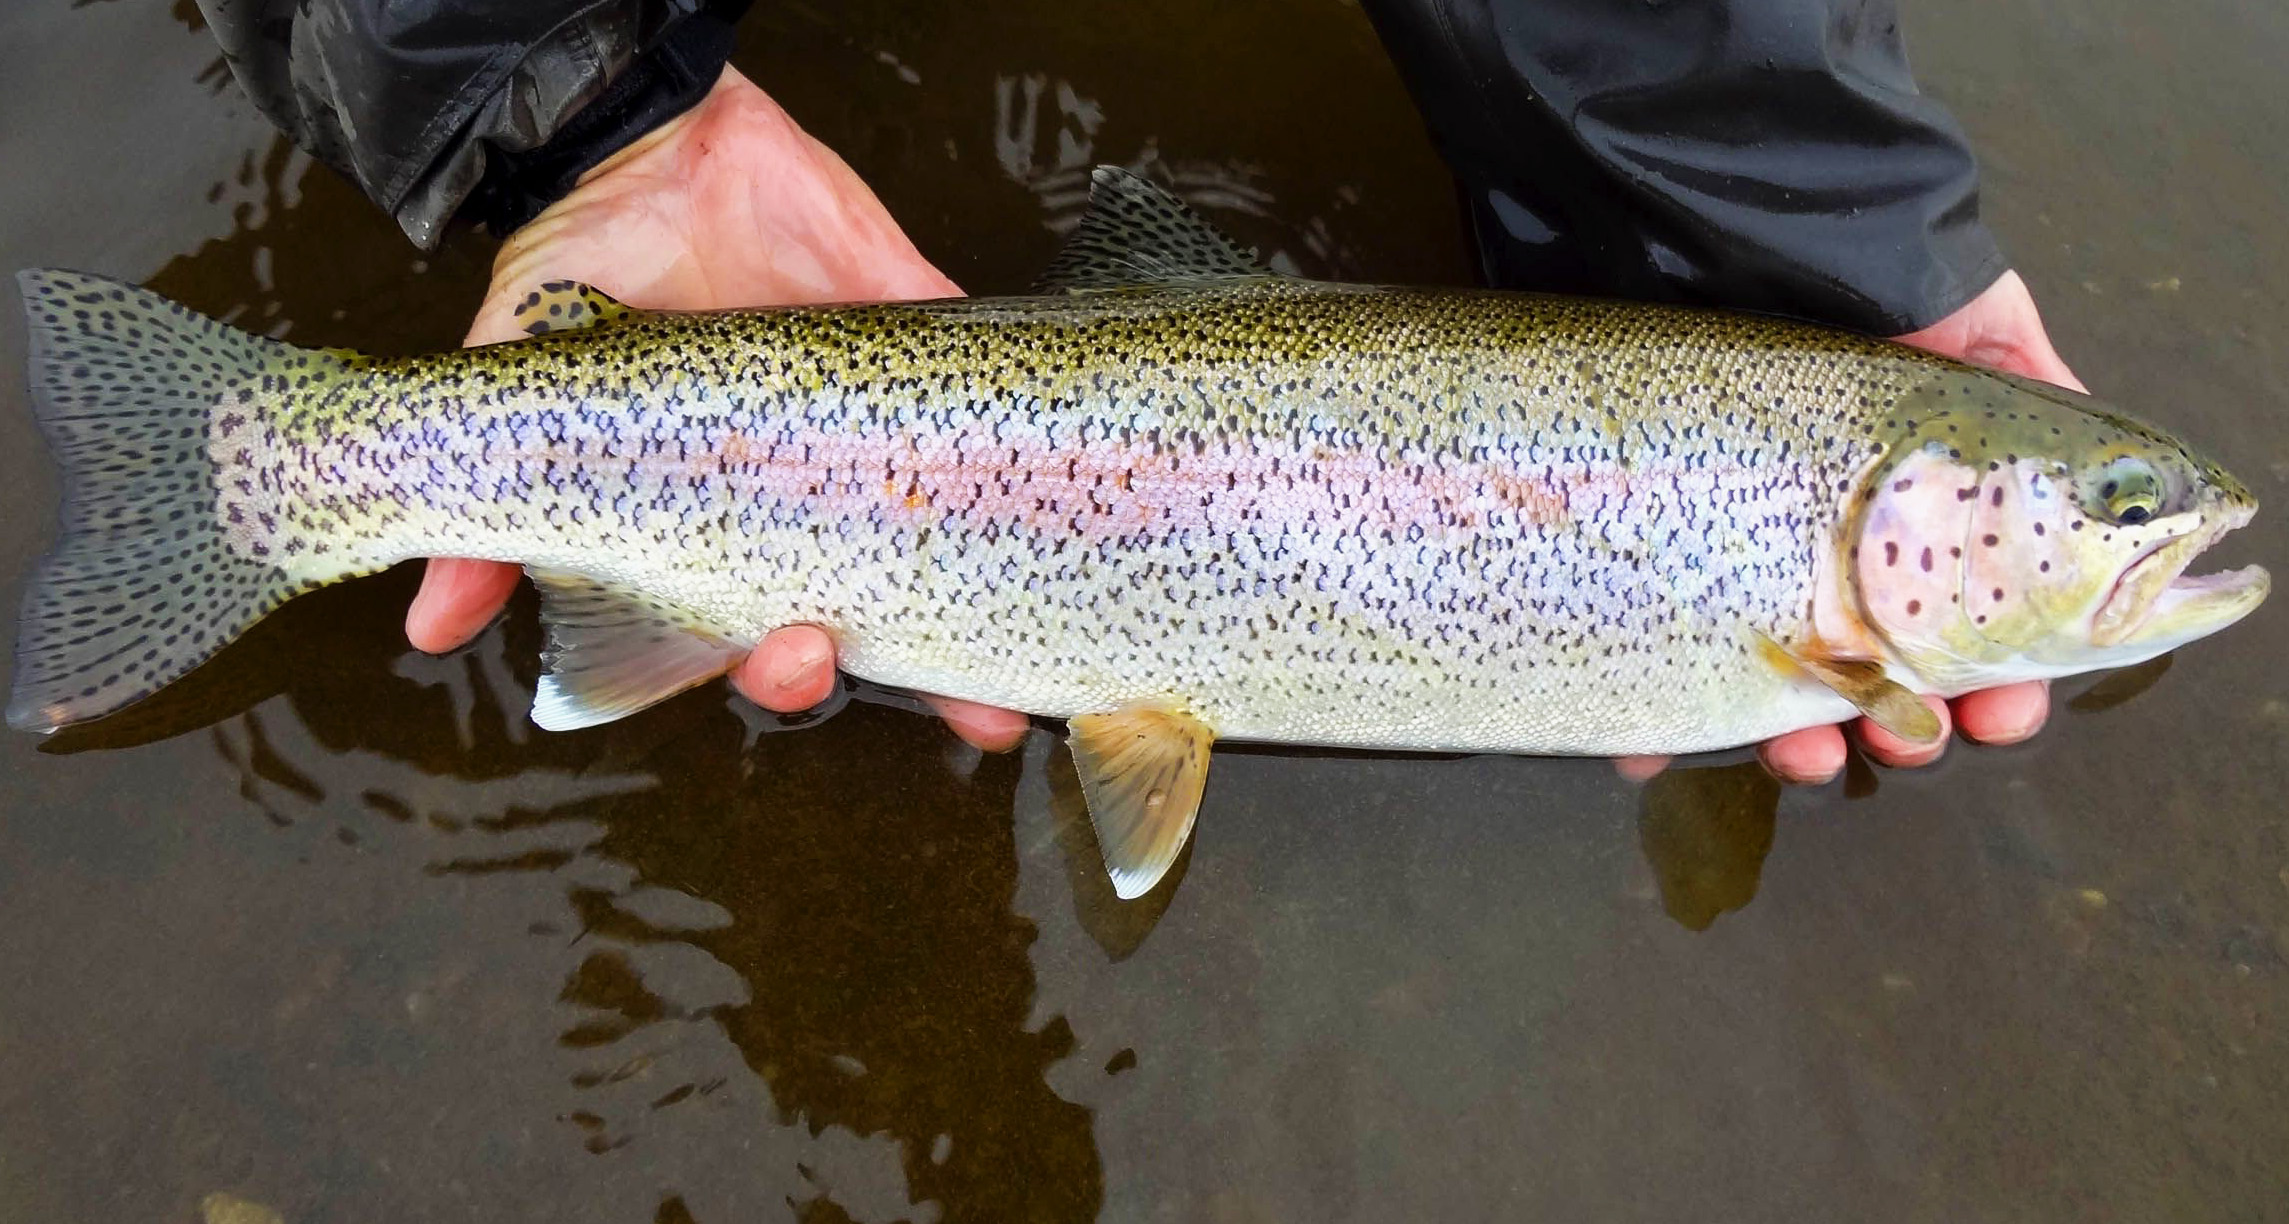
613, 651
1142, 770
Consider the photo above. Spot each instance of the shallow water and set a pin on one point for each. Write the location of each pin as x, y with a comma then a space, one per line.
335, 931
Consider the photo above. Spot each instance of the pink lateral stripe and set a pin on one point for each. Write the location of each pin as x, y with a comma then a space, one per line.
1106, 490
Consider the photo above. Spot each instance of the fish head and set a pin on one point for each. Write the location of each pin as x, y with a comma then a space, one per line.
2016, 530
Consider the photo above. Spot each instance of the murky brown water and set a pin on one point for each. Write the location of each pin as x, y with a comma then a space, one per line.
335, 931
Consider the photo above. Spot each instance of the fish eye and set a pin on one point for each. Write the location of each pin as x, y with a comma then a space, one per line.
2125, 490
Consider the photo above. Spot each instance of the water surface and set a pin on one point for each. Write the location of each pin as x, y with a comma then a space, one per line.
337, 933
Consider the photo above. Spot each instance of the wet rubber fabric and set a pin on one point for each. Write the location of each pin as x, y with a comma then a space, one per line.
1769, 155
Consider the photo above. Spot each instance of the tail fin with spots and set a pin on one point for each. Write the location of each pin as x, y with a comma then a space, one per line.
143, 583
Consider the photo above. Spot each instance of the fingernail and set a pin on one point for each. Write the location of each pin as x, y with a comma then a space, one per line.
795, 667
2011, 734
1640, 768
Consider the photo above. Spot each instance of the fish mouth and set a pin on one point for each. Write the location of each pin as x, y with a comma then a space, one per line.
2156, 603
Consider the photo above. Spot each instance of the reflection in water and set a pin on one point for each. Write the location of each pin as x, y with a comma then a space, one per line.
836, 904
1053, 160
1706, 831
868, 892
1117, 927
2117, 687
289, 253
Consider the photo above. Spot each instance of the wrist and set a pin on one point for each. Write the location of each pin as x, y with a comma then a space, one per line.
677, 141
656, 91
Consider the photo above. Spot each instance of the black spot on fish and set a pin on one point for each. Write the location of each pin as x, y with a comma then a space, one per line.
1988, 539
1902, 486
1998, 594
1914, 606
1891, 553
1997, 500
1927, 560
2046, 567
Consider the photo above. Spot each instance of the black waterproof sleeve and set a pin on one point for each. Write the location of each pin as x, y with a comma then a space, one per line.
485, 108
1763, 154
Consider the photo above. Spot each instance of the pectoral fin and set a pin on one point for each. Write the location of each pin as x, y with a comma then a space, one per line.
1885, 701
612, 651
1142, 771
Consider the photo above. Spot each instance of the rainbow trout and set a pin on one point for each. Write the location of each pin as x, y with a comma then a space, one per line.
1170, 497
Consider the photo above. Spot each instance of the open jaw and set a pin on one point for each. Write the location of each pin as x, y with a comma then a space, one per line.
2156, 604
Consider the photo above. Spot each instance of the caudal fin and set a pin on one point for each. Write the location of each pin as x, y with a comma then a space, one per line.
142, 584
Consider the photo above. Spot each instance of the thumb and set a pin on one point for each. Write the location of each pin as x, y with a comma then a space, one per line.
2001, 329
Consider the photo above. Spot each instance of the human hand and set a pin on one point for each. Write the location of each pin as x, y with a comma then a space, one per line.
1999, 328
729, 204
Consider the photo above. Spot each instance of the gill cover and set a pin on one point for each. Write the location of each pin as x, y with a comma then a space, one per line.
2019, 530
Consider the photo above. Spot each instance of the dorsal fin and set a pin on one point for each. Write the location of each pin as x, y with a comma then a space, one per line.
563, 305
1137, 234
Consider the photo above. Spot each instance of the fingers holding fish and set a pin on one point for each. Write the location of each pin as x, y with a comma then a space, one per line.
1640, 768
1899, 752
2006, 715
794, 669
457, 599
791, 670
1808, 757
2002, 329
990, 728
